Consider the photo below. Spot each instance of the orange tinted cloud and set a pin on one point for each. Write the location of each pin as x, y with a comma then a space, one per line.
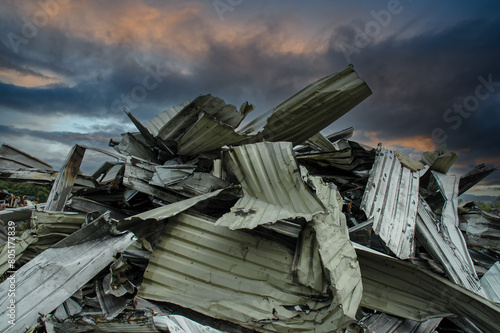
17, 78
185, 29
488, 160
418, 143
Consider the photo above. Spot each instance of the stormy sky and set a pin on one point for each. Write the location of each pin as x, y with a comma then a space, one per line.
68, 67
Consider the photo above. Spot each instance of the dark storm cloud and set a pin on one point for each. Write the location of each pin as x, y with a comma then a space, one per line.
418, 79
415, 79
97, 138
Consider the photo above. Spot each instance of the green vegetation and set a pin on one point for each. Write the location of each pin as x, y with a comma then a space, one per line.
39, 192
487, 206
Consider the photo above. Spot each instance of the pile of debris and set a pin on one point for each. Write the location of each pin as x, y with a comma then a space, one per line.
10, 200
202, 224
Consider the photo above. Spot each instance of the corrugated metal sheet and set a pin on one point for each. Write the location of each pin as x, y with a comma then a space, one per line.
234, 276
61, 223
491, 282
49, 228
170, 174
21, 243
272, 185
175, 208
473, 177
430, 235
313, 108
347, 155
448, 186
137, 323
320, 143
22, 159
156, 124
482, 229
52, 277
337, 253
213, 106
383, 323
134, 144
405, 290
439, 160
198, 184
207, 134
391, 198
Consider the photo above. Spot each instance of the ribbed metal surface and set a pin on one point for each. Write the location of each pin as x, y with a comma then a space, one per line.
207, 134
172, 209
346, 155
234, 276
383, 323
491, 282
23, 159
215, 107
338, 256
63, 223
405, 290
155, 125
430, 235
448, 185
272, 185
314, 108
482, 229
52, 277
391, 198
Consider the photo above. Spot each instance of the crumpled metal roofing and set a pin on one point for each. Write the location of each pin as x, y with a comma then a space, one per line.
52, 277
11, 157
156, 124
491, 282
312, 109
207, 134
391, 198
215, 107
235, 276
482, 229
383, 323
172, 209
448, 185
338, 256
431, 235
402, 289
272, 186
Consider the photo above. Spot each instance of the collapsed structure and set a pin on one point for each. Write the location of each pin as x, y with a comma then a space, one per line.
268, 226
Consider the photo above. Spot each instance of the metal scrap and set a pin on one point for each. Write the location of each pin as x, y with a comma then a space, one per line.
205, 223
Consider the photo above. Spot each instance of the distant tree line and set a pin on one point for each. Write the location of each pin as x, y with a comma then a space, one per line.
36, 192
488, 206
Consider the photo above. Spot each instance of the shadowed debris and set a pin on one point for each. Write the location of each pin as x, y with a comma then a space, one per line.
202, 221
